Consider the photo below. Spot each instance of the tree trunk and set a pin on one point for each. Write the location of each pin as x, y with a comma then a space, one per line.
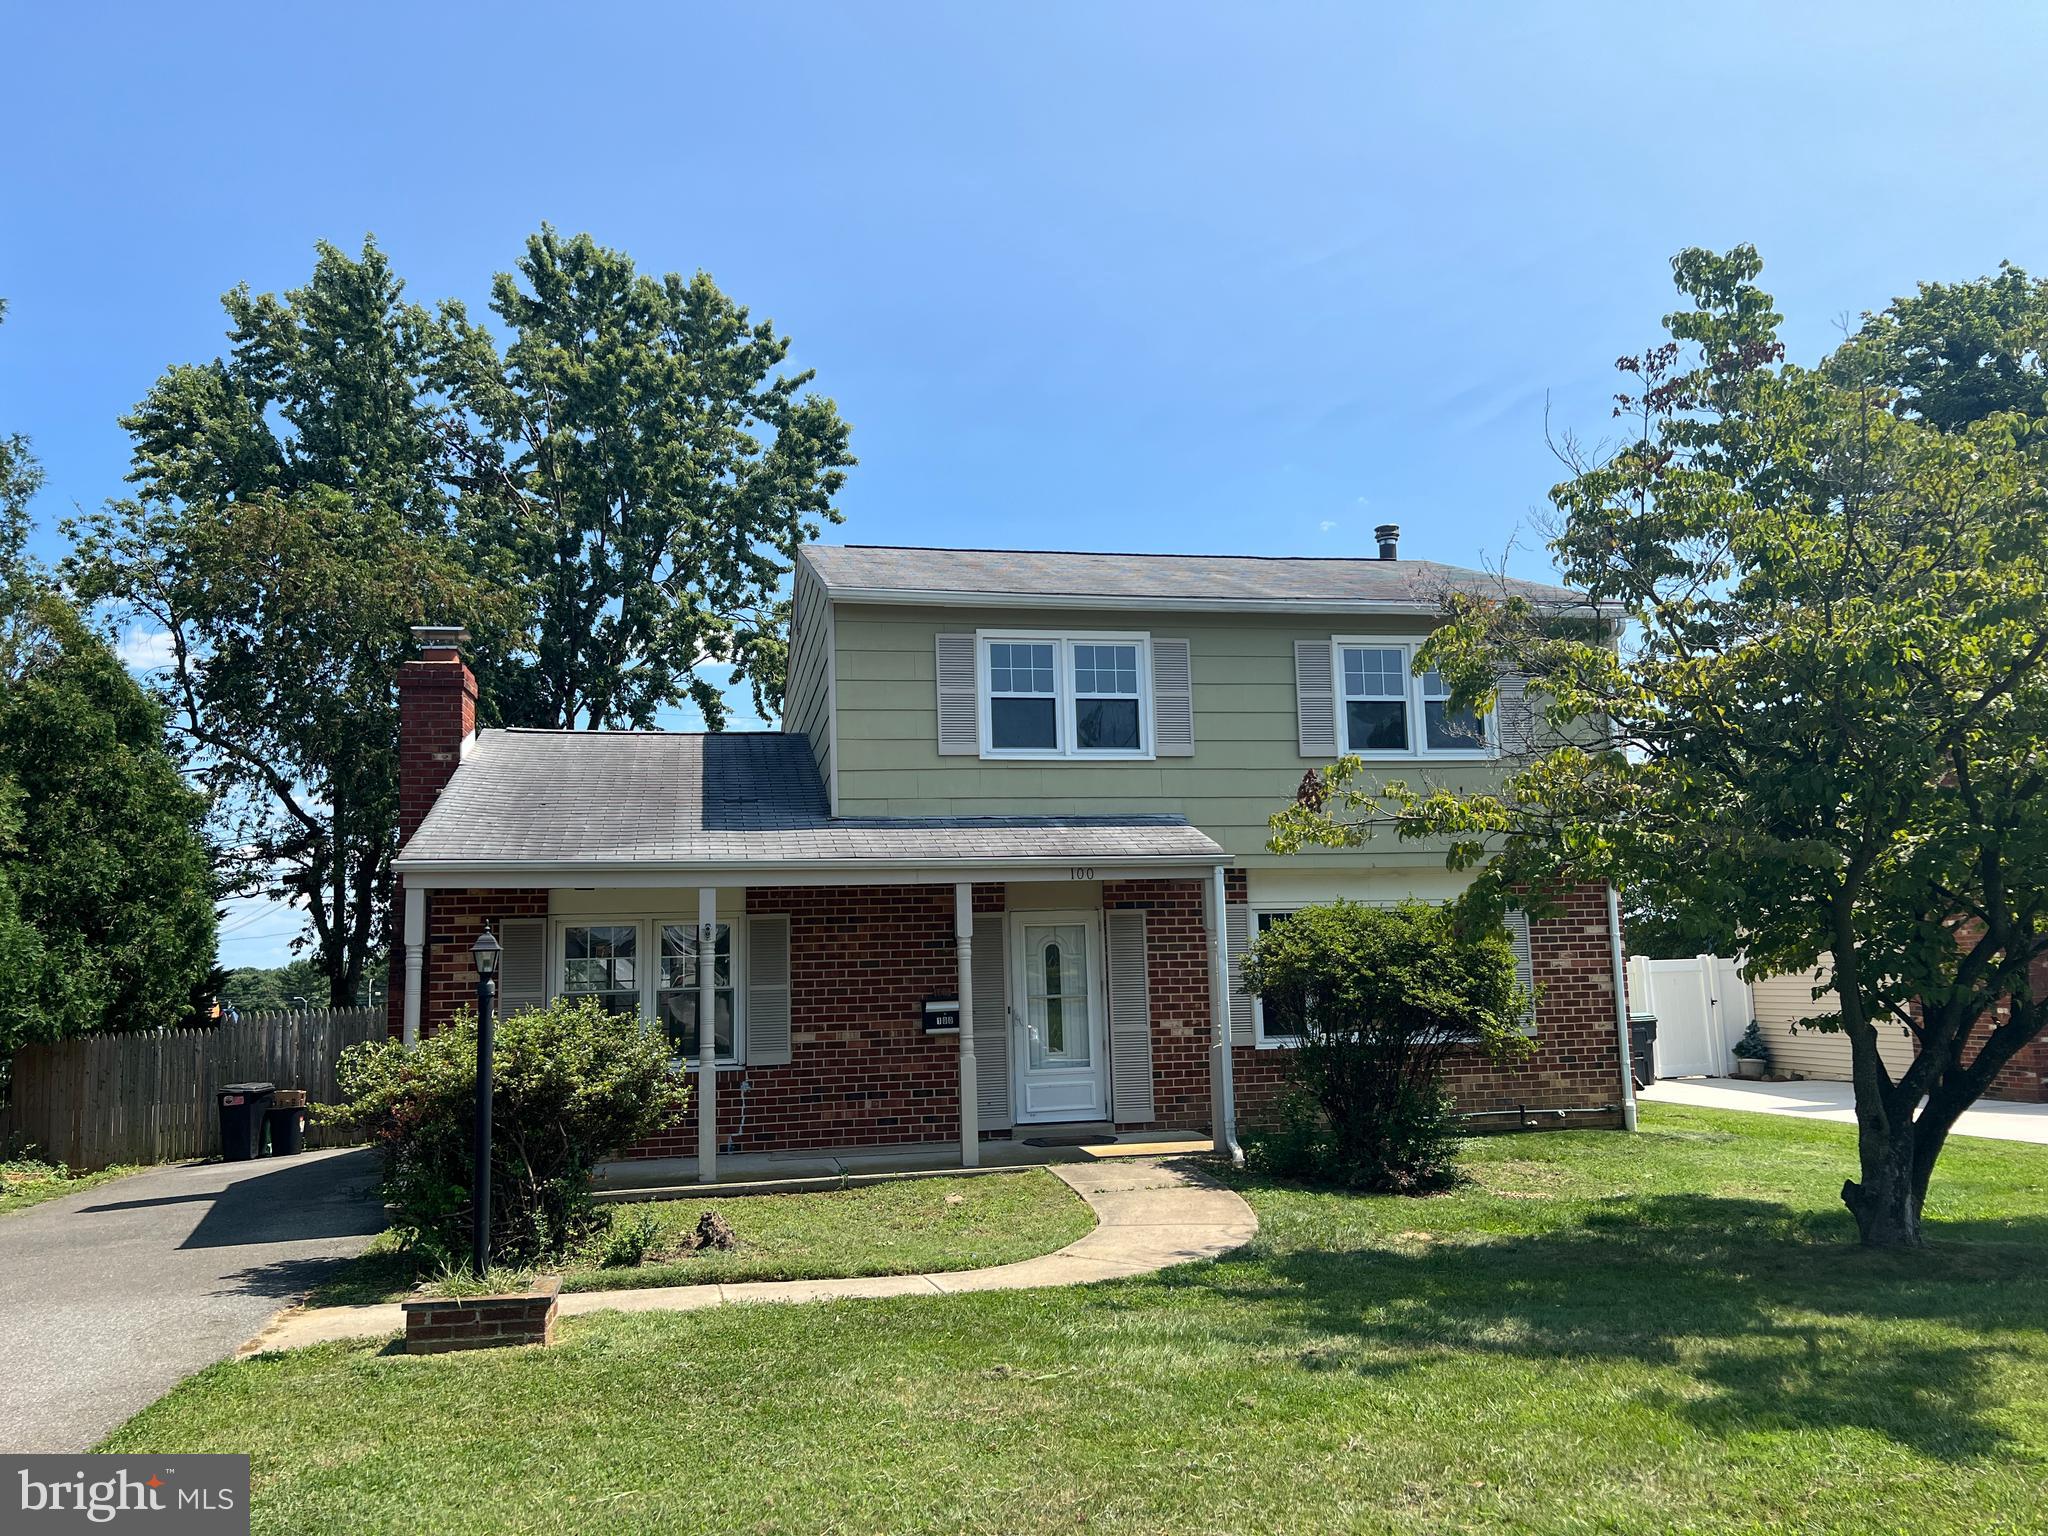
1886, 1204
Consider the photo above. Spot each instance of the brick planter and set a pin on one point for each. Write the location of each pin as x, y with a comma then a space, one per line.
441, 1324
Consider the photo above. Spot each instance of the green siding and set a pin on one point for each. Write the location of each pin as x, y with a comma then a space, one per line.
1245, 767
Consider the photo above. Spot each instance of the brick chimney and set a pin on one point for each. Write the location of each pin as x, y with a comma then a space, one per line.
436, 714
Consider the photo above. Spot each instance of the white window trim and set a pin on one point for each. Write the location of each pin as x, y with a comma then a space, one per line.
1418, 735
1063, 642
1259, 1035
650, 925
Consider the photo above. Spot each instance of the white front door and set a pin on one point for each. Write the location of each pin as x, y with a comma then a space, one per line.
1056, 1021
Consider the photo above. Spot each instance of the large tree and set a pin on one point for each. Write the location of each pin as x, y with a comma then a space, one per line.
291, 524
1827, 716
106, 891
642, 472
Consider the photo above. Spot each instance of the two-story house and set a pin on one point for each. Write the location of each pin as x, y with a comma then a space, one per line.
997, 868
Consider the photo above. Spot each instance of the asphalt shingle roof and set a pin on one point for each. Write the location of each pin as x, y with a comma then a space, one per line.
1166, 579
623, 797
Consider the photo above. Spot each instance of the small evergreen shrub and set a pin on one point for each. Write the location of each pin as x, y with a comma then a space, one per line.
573, 1085
1752, 1046
1381, 998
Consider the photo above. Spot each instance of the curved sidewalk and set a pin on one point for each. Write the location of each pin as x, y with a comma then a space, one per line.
1148, 1216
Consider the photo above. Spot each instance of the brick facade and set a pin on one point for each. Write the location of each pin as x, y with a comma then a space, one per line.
863, 959
862, 1071
1577, 1061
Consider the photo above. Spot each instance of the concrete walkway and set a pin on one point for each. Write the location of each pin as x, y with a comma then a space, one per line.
1995, 1119
1149, 1215
110, 1297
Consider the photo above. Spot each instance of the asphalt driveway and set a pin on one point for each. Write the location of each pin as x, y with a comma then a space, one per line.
110, 1297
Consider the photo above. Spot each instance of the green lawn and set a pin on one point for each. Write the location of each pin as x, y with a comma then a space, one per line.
30, 1181
1670, 1332
912, 1227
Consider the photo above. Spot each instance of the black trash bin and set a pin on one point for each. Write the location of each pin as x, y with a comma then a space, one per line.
287, 1118
243, 1109
1642, 1044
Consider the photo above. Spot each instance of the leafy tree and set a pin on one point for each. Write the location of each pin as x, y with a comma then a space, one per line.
20, 478
277, 989
106, 894
643, 473
1379, 999
291, 527
1957, 353
1832, 716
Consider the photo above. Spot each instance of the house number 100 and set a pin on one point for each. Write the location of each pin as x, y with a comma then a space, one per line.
1081, 872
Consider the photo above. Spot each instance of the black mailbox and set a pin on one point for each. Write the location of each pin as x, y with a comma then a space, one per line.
942, 1015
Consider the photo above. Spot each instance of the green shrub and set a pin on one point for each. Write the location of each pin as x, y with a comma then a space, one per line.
625, 1240
573, 1085
1381, 999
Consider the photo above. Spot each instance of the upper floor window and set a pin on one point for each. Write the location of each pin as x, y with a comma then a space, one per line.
1386, 711
1066, 696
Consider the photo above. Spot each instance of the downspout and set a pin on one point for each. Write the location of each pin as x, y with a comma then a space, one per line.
1222, 1070
1628, 1073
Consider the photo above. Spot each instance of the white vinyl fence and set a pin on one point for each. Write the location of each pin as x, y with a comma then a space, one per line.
1702, 1006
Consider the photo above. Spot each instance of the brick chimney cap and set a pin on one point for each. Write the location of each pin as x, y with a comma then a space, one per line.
439, 637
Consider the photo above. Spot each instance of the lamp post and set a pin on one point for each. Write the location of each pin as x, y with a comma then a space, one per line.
485, 952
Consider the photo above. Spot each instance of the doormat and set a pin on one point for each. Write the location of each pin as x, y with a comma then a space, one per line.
1095, 1139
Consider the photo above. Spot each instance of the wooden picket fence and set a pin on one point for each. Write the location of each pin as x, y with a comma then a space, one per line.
149, 1098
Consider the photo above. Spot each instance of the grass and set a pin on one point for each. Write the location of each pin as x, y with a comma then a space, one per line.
915, 1226
1669, 1332
26, 1181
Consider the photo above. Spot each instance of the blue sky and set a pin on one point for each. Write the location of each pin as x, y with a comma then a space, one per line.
1139, 276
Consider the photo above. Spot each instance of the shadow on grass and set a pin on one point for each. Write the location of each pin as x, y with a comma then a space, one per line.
1773, 1310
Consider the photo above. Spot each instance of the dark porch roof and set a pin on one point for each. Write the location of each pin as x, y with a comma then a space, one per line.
623, 797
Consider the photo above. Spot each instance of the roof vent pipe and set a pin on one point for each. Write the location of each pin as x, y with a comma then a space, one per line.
1389, 535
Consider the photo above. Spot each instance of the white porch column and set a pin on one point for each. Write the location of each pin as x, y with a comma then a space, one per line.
970, 1086
415, 962
707, 1035
1222, 1078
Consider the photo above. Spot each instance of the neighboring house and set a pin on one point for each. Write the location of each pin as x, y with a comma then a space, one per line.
1034, 786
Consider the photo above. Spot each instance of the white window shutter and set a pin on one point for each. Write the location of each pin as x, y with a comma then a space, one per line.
1130, 1018
1173, 699
1237, 932
522, 964
1511, 715
959, 697
767, 962
991, 1025
1315, 698
1525, 962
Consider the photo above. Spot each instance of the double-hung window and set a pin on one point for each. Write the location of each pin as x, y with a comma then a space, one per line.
1387, 711
1075, 696
1276, 1024
601, 961
605, 958
678, 1000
